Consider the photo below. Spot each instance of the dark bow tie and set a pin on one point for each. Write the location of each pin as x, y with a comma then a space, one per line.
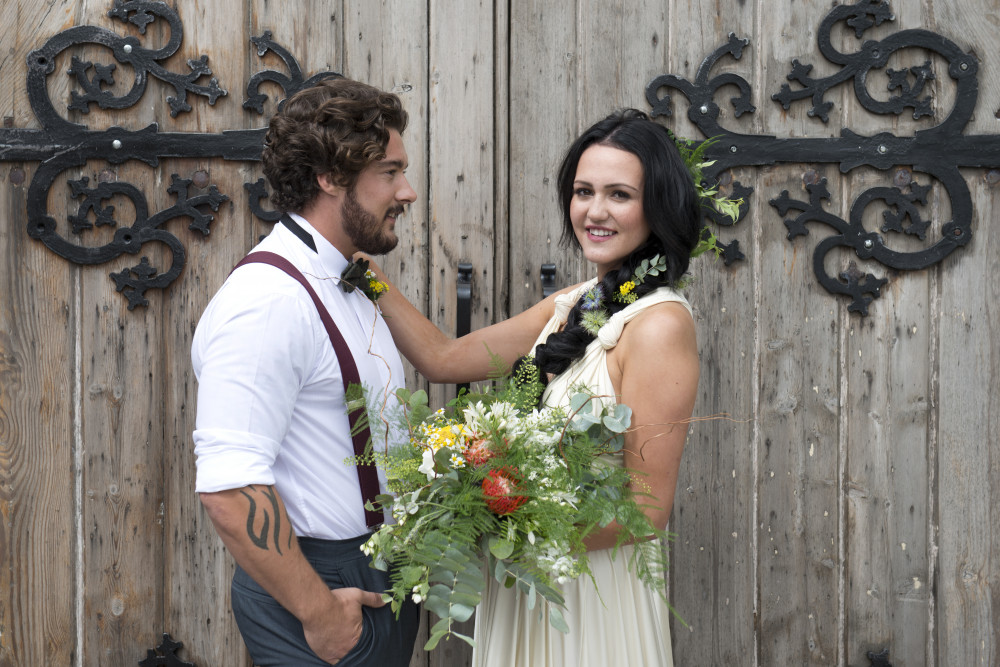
354, 276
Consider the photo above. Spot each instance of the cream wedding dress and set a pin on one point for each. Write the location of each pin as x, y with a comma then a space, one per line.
620, 623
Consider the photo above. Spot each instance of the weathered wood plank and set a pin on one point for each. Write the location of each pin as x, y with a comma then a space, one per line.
968, 404
122, 403
197, 569
886, 415
799, 435
544, 118
460, 164
381, 47
38, 392
38, 465
460, 183
713, 565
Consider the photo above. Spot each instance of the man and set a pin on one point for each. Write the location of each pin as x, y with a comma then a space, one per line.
273, 431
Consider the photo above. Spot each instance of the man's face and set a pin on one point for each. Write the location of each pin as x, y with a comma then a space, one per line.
380, 194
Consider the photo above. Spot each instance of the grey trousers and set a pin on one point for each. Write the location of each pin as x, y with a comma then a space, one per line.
274, 637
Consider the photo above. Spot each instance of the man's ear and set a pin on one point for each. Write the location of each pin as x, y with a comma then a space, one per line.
327, 185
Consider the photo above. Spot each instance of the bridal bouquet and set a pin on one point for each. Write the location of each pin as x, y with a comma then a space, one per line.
494, 486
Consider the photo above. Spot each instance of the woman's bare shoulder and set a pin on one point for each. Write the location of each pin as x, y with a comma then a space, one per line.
660, 323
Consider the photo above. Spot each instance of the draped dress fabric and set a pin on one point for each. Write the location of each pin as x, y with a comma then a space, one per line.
622, 621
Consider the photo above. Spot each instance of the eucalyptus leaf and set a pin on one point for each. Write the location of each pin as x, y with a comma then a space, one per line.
615, 443
500, 547
471, 578
438, 605
577, 401
466, 599
441, 626
461, 612
441, 459
433, 641
614, 425
452, 564
556, 620
500, 572
441, 575
623, 413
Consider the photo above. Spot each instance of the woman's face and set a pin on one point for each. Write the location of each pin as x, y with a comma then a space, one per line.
606, 208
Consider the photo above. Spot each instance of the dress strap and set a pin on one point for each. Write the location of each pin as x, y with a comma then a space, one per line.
565, 302
610, 333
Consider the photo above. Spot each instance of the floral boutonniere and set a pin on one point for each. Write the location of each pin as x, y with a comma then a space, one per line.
357, 275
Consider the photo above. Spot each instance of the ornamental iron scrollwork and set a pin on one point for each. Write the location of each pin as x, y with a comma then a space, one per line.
938, 151
62, 144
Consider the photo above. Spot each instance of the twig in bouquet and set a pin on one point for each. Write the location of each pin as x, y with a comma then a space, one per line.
572, 415
722, 416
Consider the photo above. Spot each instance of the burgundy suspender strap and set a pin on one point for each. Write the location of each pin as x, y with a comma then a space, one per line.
367, 476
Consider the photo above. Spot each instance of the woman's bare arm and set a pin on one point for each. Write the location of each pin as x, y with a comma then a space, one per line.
656, 363
441, 358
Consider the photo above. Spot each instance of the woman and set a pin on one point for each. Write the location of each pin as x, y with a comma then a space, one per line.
626, 196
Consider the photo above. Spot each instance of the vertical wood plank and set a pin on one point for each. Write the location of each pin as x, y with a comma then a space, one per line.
543, 121
460, 183
460, 164
122, 413
197, 569
968, 404
713, 564
798, 431
120, 423
886, 415
38, 393
386, 45
502, 127
38, 527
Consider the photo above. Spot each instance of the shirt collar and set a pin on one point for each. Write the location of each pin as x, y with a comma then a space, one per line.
333, 260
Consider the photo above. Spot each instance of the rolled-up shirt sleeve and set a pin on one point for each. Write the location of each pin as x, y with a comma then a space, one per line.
249, 375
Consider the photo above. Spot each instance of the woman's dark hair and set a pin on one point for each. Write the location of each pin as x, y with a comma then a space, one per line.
336, 127
669, 203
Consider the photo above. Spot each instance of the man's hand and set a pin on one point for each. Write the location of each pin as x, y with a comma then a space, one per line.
334, 632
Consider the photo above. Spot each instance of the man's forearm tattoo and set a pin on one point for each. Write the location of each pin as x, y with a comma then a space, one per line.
260, 539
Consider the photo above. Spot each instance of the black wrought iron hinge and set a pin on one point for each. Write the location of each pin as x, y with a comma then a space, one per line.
61, 145
938, 151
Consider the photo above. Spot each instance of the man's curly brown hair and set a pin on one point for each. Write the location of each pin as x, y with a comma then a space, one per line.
338, 126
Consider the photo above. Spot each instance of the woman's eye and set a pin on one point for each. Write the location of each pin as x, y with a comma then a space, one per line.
582, 192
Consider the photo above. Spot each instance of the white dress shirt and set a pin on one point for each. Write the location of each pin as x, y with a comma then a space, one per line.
270, 394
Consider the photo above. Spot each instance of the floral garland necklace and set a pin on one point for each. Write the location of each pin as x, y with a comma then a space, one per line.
595, 313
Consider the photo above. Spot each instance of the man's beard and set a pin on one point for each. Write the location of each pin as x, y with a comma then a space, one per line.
367, 232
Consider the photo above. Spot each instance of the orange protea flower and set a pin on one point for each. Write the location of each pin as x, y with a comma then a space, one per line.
500, 488
478, 451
